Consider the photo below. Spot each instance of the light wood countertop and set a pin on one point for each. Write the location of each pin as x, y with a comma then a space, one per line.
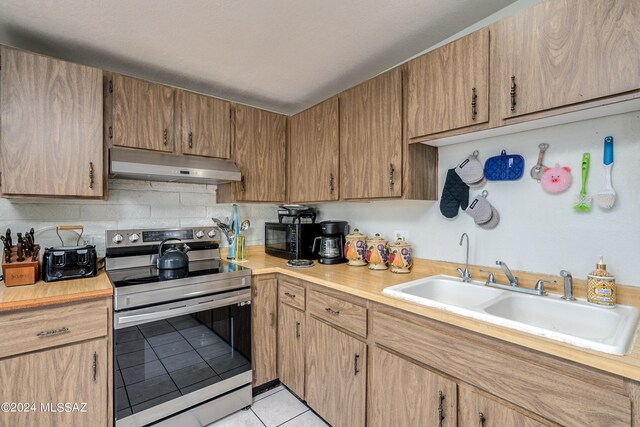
64, 291
368, 284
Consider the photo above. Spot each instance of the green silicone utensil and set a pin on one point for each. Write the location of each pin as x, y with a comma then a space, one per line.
583, 203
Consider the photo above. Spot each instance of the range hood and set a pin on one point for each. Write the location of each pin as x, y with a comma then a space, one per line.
150, 166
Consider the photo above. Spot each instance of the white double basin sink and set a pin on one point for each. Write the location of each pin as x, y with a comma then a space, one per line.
609, 330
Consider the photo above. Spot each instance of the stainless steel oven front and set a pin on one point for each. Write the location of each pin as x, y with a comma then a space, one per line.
183, 361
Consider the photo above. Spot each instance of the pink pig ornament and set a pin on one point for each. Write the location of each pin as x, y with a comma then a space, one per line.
556, 179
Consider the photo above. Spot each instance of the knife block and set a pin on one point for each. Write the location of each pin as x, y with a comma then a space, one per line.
20, 273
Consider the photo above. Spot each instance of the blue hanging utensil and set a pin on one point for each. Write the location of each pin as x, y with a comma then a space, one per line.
505, 167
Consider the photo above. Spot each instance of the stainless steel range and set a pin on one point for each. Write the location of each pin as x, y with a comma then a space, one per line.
182, 347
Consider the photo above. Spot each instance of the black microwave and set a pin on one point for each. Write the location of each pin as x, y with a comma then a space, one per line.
291, 241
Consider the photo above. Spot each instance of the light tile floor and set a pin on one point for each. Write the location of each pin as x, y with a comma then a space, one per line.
276, 407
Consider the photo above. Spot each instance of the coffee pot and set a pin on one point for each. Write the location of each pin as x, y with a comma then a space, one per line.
330, 245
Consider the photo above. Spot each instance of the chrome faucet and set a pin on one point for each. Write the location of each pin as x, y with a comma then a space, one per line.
513, 280
568, 286
465, 274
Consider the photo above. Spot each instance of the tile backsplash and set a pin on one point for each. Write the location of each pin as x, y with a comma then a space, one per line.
131, 204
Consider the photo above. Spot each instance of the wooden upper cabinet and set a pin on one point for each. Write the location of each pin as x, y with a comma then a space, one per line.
51, 127
260, 153
448, 88
564, 52
205, 125
143, 114
371, 138
313, 154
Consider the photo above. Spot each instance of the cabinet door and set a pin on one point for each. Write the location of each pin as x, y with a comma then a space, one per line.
568, 51
405, 394
313, 154
371, 138
205, 125
291, 348
260, 153
51, 116
73, 374
449, 86
143, 114
476, 409
336, 375
264, 306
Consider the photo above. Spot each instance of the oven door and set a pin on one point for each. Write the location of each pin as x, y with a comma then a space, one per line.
175, 356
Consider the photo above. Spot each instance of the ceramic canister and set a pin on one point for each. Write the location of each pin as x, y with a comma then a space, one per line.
400, 260
377, 253
355, 247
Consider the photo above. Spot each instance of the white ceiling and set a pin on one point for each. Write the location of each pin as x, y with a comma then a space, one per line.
282, 55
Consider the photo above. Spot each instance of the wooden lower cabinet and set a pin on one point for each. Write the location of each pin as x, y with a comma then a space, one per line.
403, 393
336, 375
479, 409
74, 374
264, 310
291, 339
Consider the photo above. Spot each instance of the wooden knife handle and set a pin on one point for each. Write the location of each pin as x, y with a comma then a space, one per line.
70, 227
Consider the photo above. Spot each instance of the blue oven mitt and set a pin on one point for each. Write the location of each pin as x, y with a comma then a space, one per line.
455, 195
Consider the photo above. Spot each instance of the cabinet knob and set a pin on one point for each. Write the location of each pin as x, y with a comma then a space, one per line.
190, 139
513, 93
165, 137
474, 99
91, 175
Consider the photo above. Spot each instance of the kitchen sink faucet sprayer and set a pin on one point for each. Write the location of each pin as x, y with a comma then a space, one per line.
568, 286
465, 274
513, 280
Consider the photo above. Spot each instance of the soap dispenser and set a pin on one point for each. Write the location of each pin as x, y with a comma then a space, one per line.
601, 286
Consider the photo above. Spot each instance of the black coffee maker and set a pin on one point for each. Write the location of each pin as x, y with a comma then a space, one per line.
330, 246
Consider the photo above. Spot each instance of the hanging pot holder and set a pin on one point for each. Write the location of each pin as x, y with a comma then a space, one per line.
505, 167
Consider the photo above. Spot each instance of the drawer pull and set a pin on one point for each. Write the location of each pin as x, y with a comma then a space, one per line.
331, 187
272, 318
53, 332
481, 419
440, 409
329, 310
165, 136
190, 139
356, 358
392, 182
95, 366
290, 295
91, 175
297, 329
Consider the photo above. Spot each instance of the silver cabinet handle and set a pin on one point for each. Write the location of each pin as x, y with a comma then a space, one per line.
330, 310
53, 332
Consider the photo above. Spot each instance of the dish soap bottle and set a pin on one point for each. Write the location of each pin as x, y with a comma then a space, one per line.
601, 286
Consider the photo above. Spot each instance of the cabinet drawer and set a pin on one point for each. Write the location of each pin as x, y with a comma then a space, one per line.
30, 330
339, 312
291, 294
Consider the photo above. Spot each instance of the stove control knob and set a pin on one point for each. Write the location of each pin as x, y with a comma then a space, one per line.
199, 234
134, 237
117, 239
211, 234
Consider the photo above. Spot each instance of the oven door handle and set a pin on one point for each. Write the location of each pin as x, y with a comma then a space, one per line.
122, 319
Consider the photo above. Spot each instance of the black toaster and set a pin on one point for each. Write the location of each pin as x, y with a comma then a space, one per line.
70, 262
